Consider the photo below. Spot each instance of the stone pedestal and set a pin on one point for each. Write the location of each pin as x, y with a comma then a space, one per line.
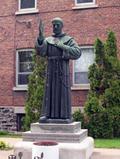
67, 133
73, 141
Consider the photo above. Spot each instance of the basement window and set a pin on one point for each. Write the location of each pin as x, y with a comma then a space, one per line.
24, 66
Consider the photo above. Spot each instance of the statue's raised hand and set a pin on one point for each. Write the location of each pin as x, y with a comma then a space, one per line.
41, 32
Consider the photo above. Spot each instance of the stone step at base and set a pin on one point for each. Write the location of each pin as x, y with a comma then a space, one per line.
56, 128
58, 137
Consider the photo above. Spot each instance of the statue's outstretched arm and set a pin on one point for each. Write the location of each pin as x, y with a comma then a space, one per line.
41, 44
41, 32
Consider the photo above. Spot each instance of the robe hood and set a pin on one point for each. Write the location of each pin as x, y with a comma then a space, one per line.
64, 39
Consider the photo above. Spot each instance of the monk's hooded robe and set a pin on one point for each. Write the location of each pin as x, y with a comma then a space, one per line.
57, 97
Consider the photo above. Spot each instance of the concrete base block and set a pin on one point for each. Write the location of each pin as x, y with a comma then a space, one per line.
25, 148
82, 150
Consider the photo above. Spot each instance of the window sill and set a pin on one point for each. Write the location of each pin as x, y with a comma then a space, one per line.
84, 6
27, 12
19, 110
81, 87
24, 88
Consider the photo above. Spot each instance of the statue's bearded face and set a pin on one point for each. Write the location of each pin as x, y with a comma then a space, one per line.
57, 28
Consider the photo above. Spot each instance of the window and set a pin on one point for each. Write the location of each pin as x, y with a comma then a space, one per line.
26, 5
24, 66
81, 4
78, 2
81, 66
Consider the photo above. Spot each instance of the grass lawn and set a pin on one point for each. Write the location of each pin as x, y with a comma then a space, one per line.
107, 143
11, 135
99, 143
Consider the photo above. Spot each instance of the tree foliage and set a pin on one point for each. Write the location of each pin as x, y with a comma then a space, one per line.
104, 94
35, 92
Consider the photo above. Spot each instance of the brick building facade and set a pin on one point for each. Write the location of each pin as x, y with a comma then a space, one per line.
85, 20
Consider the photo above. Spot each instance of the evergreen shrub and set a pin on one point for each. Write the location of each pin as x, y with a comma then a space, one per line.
100, 125
79, 117
35, 92
103, 103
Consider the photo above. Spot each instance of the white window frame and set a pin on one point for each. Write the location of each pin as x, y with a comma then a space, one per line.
26, 10
85, 5
17, 70
80, 86
82, 4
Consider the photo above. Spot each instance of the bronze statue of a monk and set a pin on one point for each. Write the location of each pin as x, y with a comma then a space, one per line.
59, 49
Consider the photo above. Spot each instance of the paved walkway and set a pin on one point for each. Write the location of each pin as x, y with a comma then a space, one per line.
97, 154
106, 153
11, 142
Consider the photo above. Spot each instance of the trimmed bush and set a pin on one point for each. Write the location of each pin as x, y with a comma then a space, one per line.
4, 146
100, 125
4, 133
92, 106
115, 114
79, 116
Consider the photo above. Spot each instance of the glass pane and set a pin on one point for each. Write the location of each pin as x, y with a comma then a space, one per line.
82, 64
27, 4
84, 1
23, 79
25, 56
86, 59
81, 78
26, 67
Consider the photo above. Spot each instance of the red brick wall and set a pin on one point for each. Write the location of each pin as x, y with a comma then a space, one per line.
84, 25
6, 52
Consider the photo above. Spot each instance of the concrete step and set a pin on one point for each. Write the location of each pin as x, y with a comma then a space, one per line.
58, 137
55, 128
65, 133
106, 154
